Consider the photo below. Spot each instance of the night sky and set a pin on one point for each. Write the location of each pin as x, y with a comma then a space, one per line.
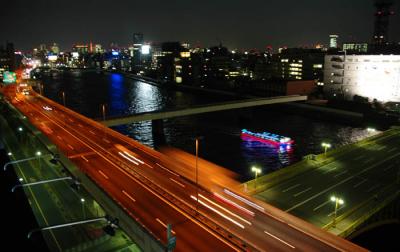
237, 24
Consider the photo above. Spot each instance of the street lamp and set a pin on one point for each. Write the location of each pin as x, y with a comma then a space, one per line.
39, 153
338, 201
63, 96
103, 109
83, 207
256, 172
20, 129
326, 146
197, 175
103, 106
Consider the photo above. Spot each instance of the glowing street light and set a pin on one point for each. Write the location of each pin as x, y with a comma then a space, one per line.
197, 138
20, 129
83, 207
103, 108
338, 201
10, 154
39, 153
63, 96
197, 175
326, 146
256, 172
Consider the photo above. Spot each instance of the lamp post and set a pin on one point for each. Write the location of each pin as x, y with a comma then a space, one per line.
326, 146
39, 153
63, 96
338, 201
197, 175
83, 207
256, 172
103, 108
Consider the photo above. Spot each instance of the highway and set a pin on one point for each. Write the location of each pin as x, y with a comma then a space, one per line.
144, 183
54, 203
365, 173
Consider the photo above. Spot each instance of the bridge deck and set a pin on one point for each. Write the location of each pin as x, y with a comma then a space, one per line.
156, 115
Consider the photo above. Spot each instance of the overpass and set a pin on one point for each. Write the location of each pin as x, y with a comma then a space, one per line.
140, 186
159, 115
365, 175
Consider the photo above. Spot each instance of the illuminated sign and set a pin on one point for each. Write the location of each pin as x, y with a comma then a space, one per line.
9, 77
52, 57
75, 55
185, 54
145, 49
178, 79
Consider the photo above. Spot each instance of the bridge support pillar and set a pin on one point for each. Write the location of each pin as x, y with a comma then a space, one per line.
157, 127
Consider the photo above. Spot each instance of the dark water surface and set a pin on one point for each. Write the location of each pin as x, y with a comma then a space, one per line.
222, 142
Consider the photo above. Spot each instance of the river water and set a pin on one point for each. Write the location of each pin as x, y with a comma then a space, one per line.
221, 139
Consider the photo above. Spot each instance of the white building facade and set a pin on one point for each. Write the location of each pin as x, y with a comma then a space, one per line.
371, 76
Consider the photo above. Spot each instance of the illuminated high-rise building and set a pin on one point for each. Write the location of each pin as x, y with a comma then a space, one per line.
55, 49
370, 76
298, 64
138, 40
333, 38
43, 48
98, 48
81, 49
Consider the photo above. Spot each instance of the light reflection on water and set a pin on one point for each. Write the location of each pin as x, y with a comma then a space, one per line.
221, 144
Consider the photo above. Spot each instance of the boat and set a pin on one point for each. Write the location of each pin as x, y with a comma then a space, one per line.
267, 137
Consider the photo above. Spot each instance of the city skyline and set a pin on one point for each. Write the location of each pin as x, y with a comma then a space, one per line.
253, 25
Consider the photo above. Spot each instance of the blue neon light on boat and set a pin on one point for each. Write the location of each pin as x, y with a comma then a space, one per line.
269, 137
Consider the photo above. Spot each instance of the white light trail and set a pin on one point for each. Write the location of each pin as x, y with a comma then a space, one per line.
228, 201
218, 212
123, 155
248, 202
279, 239
131, 156
226, 210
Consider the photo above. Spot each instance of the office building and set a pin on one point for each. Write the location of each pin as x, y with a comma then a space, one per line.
299, 64
55, 49
80, 48
371, 76
333, 41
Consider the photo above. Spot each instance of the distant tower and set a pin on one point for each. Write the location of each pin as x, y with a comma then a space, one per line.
382, 21
333, 41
